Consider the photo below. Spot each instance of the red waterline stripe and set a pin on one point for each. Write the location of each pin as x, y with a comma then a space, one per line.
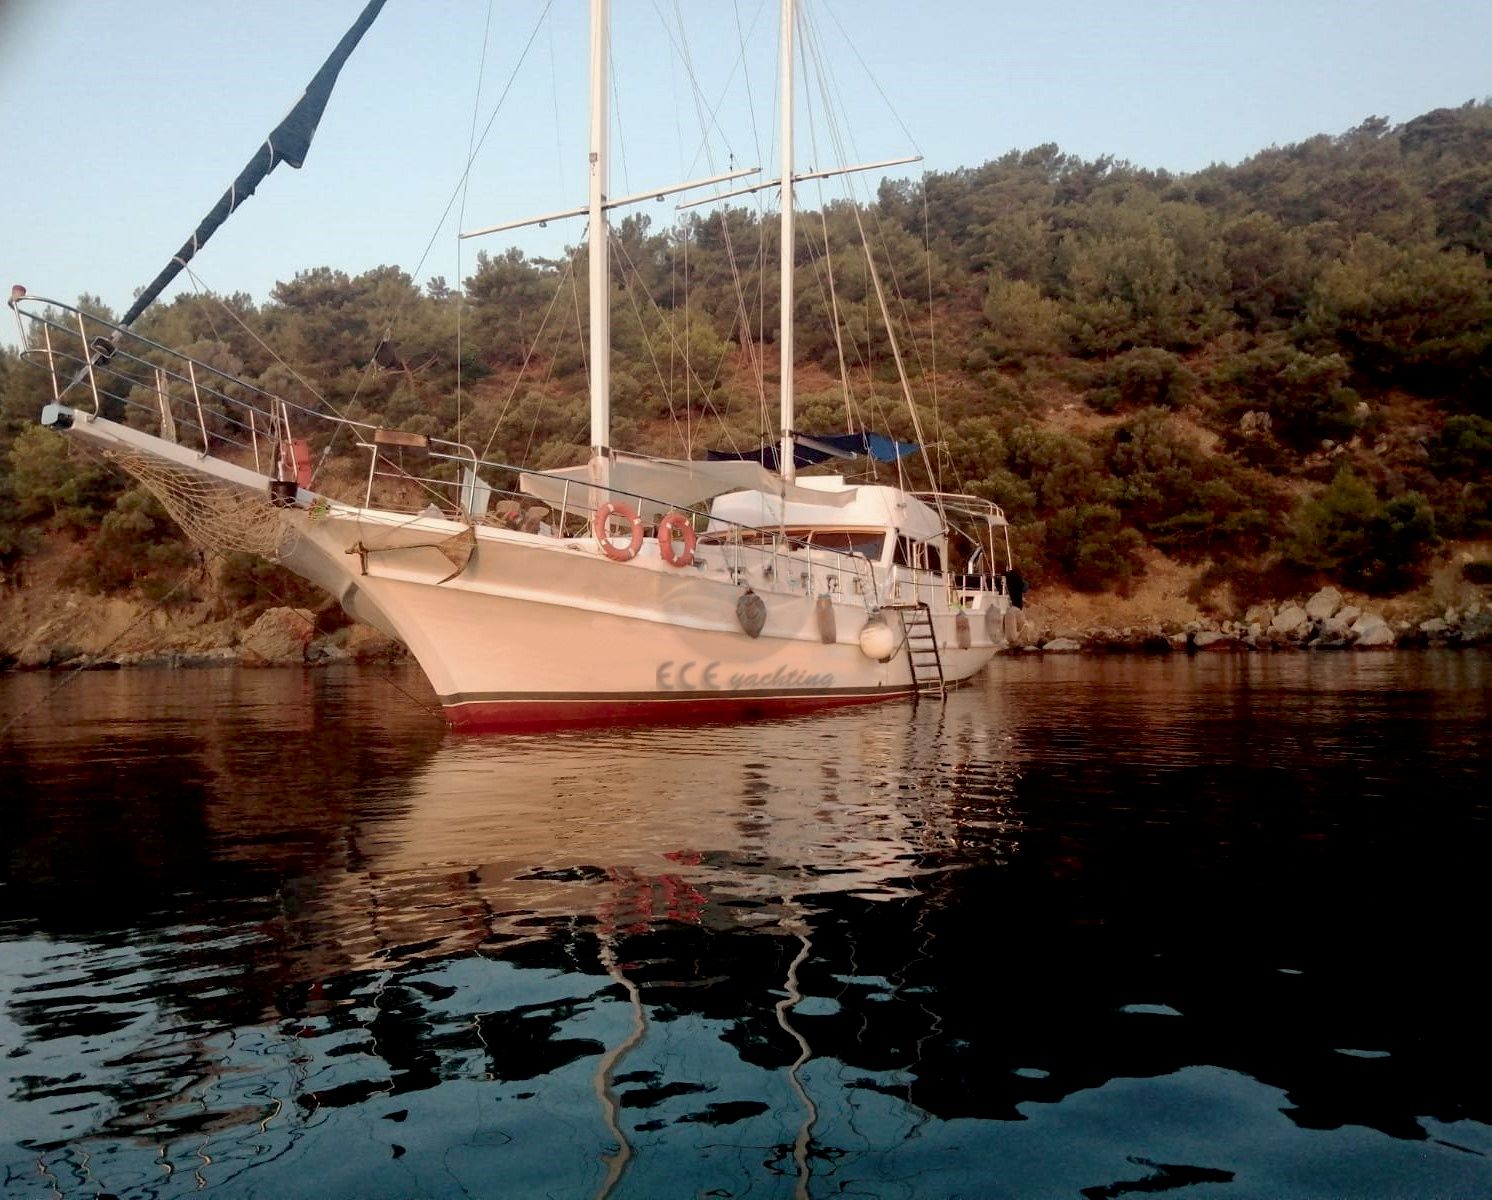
530, 712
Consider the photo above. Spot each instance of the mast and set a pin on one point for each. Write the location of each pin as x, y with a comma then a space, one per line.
785, 329
598, 247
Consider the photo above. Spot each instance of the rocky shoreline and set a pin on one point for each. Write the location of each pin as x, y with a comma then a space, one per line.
279, 637
1325, 621
295, 637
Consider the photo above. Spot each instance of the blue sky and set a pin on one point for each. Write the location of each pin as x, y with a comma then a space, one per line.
122, 123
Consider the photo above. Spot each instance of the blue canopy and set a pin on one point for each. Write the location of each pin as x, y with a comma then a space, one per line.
809, 450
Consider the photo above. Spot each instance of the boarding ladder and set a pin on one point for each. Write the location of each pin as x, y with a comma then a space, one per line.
922, 649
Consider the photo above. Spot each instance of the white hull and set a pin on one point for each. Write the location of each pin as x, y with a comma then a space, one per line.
536, 629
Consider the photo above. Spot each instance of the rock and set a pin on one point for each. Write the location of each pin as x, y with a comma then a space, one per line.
1339, 624
325, 653
1370, 631
278, 638
1061, 645
1258, 614
34, 658
1476, 628
1291, 621
1435, 627
1323, 604
365, 644
222, 656
1208, 640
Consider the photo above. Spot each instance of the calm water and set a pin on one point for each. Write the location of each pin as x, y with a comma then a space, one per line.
1212, 928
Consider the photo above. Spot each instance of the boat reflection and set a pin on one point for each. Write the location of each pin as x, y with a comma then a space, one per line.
723, 829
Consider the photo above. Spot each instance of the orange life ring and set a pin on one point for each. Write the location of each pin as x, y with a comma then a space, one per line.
604, 513
680, 524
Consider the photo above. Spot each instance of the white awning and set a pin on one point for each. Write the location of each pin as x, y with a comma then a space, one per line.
655, 486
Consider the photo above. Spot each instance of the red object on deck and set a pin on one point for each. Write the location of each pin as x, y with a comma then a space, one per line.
300, 457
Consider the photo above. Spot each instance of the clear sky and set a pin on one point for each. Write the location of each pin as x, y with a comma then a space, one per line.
121, 123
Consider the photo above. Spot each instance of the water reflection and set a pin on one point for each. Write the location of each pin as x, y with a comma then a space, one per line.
1097, 928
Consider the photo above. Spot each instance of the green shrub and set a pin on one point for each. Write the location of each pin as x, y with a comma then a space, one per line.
137, 544
1093, 547
1304, 394
1346, 532
247, 582
1142, 378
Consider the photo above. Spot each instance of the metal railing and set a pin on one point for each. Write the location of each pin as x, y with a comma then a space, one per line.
133, 380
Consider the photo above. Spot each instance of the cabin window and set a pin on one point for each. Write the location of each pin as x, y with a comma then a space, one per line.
867, 542
921, 556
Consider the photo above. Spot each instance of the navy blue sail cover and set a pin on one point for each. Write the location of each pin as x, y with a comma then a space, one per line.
812, 449
289, 142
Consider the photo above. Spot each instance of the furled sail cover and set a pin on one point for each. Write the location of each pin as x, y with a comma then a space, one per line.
289, 142
810, 450
655, 486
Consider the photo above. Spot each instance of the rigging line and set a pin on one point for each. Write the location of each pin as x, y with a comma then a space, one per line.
863, 366
529, 353
688, 389
584, 358
844, 379
647, 341
471, 137
679, 246
260, 585
875, 83
740, 296
756, 137
207, 293
559, 149
837, 137
901, 372
616, 118
932, 333
459, 190
707, 120
543, 382
707, 113
625, 259
832, 297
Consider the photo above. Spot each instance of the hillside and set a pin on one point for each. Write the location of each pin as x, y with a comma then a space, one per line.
1191, 393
